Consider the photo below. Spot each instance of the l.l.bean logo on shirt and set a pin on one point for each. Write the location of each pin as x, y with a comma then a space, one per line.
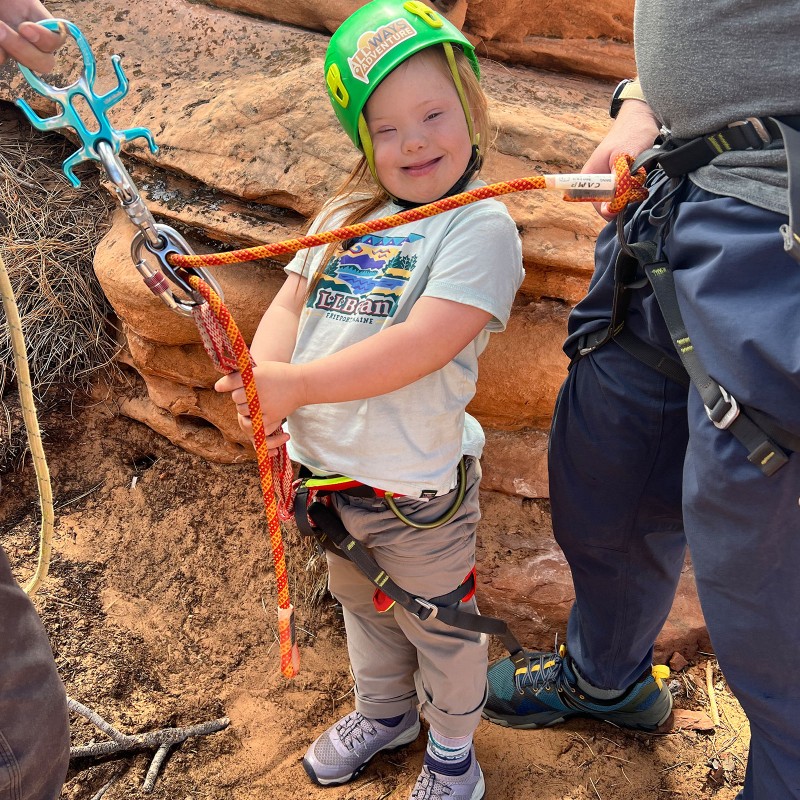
368, 279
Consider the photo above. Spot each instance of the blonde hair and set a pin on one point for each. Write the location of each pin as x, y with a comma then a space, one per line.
360, 195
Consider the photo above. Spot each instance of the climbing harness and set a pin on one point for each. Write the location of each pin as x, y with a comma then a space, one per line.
340, 483
678, 157
175, 274
764, 441
641, 263
316, 519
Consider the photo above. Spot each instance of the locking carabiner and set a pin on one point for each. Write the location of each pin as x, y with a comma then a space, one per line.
169, 242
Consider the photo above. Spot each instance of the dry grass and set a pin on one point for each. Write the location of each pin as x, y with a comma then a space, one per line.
48, 235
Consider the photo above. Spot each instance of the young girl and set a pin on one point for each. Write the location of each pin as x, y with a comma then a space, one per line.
370, 349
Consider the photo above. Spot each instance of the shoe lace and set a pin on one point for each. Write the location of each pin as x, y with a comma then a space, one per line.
543, 671
429, 786
355, 728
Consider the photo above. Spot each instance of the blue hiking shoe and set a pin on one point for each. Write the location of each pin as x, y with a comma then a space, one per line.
538, 689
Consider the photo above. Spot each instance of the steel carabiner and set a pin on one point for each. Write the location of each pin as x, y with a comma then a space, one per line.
169, 242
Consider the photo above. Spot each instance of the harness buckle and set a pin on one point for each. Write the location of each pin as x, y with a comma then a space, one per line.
724, 412
755, 124
432, 609
791, 241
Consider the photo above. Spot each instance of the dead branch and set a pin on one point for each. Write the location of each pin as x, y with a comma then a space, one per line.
159, 740
712, 699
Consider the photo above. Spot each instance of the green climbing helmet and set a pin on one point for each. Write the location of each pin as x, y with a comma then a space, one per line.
374, 40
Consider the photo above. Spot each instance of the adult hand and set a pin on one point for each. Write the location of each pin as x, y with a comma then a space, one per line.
22, 39
634, 131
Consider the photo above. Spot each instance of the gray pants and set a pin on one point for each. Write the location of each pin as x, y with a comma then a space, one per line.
34, 728
397, 659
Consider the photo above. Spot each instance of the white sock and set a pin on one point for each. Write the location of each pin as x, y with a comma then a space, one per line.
447, 750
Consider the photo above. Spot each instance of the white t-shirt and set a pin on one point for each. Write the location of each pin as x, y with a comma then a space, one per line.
410, 440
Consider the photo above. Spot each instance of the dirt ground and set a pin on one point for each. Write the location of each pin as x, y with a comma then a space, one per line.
160, 606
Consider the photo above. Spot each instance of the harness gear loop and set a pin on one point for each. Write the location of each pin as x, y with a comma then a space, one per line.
791, 232
325, 485
461, 490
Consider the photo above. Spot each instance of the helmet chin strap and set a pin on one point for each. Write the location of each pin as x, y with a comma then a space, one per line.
472, 167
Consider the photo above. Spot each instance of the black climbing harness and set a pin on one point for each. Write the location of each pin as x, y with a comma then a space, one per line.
319, 521
678, 157
641, 263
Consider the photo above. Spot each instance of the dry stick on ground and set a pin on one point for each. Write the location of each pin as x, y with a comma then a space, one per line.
103, 789
712, 698
161, 740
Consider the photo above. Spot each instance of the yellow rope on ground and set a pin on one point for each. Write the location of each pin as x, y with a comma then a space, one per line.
33, 431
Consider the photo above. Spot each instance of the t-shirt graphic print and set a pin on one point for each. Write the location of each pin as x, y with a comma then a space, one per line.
366, 281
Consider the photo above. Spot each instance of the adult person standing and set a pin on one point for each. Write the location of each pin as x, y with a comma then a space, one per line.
643, 462
34, 727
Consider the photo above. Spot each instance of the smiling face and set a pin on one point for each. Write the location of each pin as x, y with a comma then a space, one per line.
419, 133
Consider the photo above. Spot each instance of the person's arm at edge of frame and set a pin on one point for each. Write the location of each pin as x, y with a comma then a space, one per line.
633, 131
22, 39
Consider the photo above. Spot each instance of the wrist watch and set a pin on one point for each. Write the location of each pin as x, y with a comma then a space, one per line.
628, 89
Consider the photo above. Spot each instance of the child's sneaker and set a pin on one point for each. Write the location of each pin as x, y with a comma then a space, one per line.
432, 785
339, 754
543, 691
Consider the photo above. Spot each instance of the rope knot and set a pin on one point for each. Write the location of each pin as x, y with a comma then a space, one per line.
630, 188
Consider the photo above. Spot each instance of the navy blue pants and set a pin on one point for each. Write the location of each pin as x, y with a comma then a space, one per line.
638, 471
34, 728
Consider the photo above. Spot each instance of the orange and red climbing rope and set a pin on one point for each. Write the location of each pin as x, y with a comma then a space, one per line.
268, 469
226, 347
629, 189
